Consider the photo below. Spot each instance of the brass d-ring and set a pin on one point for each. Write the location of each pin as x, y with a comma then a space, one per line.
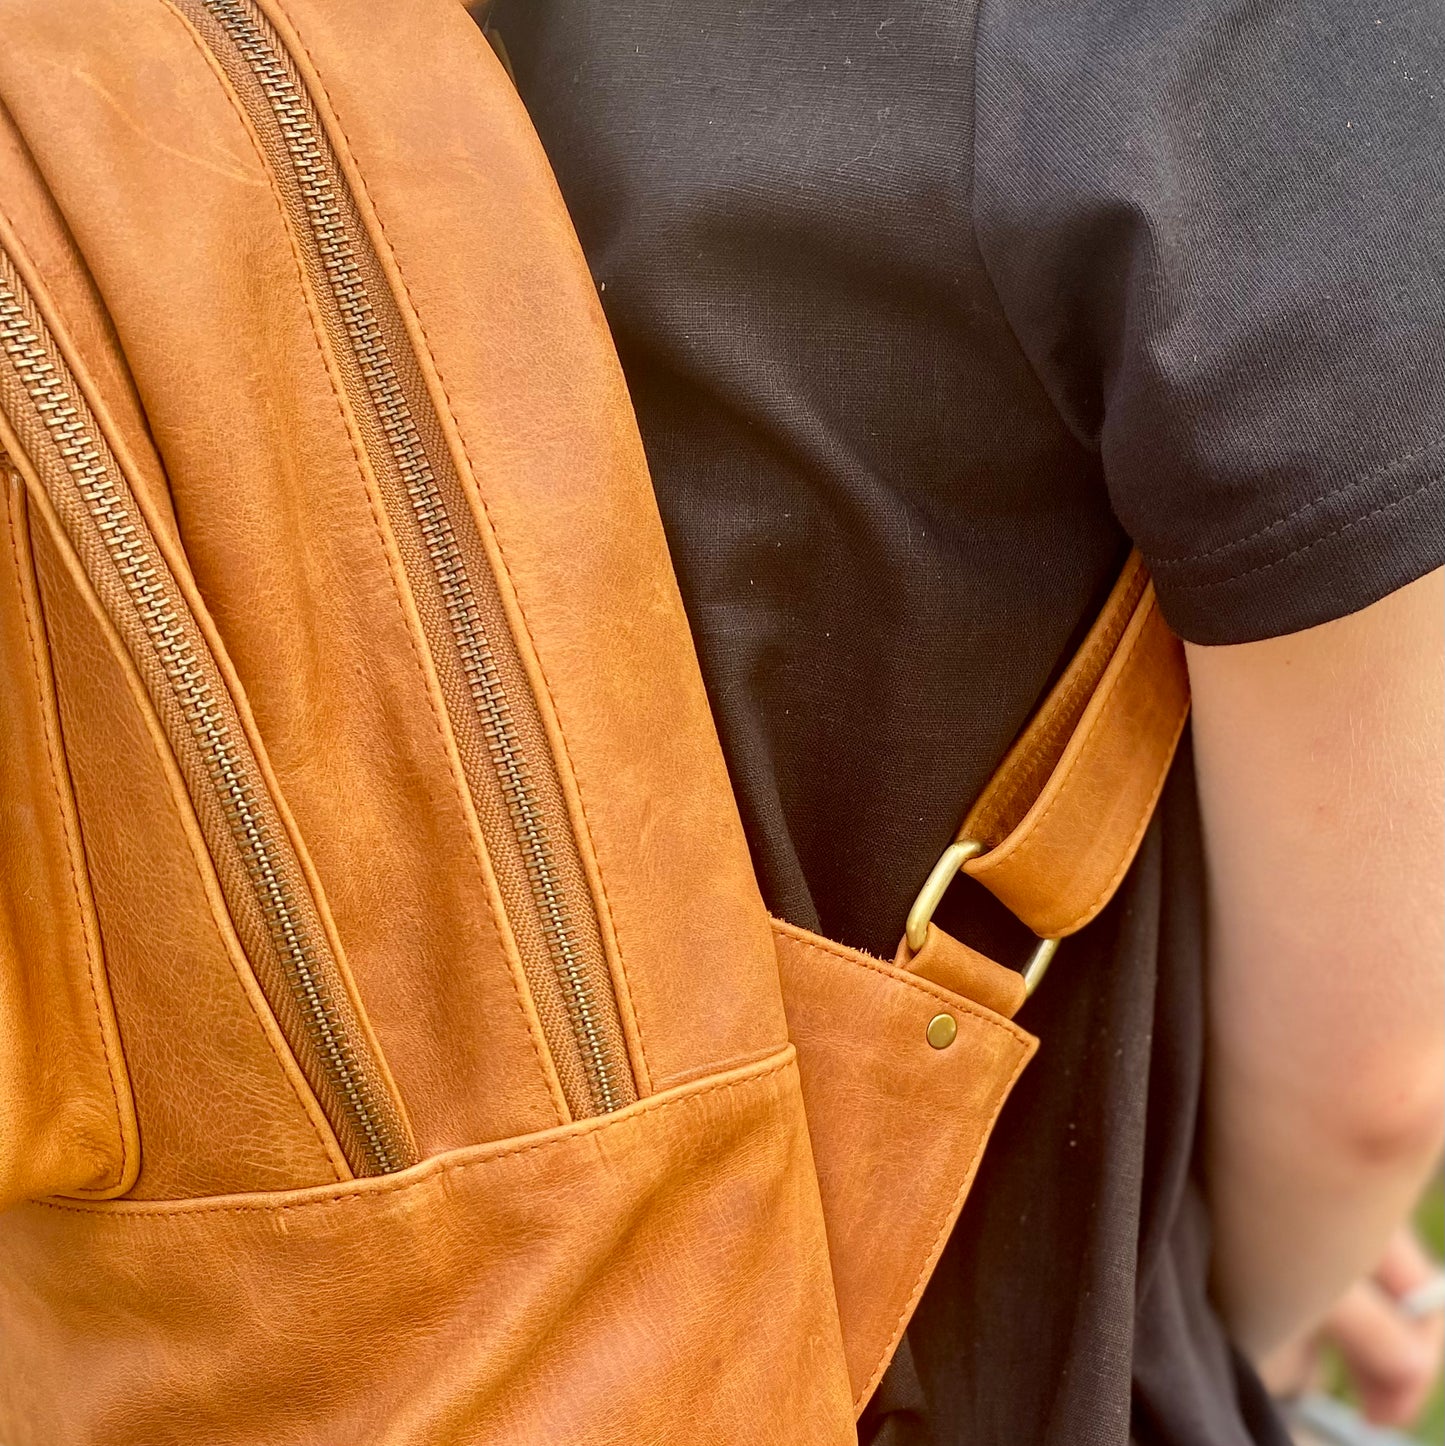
935, 886
1037, 964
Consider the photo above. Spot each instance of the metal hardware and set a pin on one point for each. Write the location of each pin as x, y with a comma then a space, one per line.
935, 886
77, 462
942, 1031
338, 245
1037, 964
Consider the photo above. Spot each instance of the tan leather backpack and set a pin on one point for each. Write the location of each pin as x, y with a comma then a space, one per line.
394, 1047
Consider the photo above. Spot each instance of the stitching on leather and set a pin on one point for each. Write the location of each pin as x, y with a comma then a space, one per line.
686, 1077
521, 608
1127, 859
168, 794
1021, 1038
317, 331
391, 1185
1003, 803
1004, 1026
482, 502
960, 1002
1395, 464
92, 965
1374, 512
275, 1048
944, 1227
1022, 849
175, 811
999, 808
1131, 587
1005, 854
315, 322
281, 1058
317, 325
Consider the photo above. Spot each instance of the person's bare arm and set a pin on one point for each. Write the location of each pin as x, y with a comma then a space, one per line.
1320, 760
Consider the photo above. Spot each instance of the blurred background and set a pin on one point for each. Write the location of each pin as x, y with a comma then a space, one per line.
1431, 1224
1329, 1418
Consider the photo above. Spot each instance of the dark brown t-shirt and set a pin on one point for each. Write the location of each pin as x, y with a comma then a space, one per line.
929, 310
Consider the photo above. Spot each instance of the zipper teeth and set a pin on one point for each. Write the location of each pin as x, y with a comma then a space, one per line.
479, 665
141, 574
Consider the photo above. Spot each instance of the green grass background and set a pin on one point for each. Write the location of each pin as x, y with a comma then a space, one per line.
1430, 1221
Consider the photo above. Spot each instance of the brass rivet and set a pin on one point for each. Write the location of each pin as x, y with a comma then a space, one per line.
942, 1030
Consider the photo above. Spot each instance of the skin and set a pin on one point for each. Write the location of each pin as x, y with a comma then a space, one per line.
1321, 760
1392, 1356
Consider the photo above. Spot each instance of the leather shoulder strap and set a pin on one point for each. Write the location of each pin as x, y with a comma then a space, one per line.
1063, 817
1058, 825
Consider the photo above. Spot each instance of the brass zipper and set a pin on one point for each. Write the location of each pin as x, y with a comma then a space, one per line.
510, 770
261, 877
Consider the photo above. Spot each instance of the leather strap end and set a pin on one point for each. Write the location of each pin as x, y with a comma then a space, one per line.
1066, 812
945, 961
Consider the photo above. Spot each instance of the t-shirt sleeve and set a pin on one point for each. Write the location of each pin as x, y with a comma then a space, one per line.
1218, 231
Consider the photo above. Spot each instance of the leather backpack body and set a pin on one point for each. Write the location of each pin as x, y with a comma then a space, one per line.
394, 1045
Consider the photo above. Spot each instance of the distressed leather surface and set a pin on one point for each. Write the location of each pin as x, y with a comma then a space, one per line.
1066, 811
694, 1268
667, 848
164, 189
657, 1275
223, 1104
635, 1278
67, 1121
898, 1127
948, 962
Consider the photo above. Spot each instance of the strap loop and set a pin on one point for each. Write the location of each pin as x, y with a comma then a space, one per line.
1058, 825
950, 861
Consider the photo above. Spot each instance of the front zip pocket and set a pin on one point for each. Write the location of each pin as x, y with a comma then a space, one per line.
502, 742
265, 886
501, 738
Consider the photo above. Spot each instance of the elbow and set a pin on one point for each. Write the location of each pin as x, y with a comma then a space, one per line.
1389, 1120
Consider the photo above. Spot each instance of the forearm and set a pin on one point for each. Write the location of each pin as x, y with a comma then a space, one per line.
1320, 767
